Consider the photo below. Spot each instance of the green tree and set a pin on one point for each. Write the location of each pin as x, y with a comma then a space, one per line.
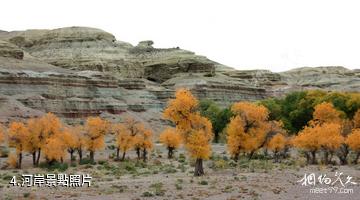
217, 116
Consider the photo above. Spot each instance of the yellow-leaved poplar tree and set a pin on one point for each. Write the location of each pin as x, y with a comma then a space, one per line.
124, 139
247, 130
33, 143
353, 140
74, 140
95, 131
356, 119
54, 145
195, 130
143, 141
171, 139
55, 149
277, 144
2, 134
41, 129
322, 133
18, 134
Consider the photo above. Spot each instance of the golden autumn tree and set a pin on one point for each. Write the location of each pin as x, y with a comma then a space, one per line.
124, 139
171, 139
277, 144
55, 149
95, 131
356, 119
51, 139
308, 142
2, 134
143, 141
247, 130
344, 150
140, 137
12, 160
196, 131
353, 140
322, 133
33, 140
325, 113
40, 130
18, 134
74, 140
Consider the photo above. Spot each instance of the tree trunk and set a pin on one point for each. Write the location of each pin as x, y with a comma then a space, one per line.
34, 158
20, 160
144, 154
199, 170
236, 157
343, 154
276, 156
92, 156
266, 153
117, 154
170, 152
138, 153
313, 155
326, 157
216, 138
123, 156
71, 152
38, 157
80, 155
251, 154
307, 155
356, 158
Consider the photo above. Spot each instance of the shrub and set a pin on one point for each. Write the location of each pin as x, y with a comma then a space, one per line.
203, 182
54, 166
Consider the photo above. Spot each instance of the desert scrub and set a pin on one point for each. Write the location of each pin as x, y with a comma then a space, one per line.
147, 194
121, 188
219, 164
182, 158
203, 182
158, 189
54, 166
228, 189
168, 169
182, 167
86, 161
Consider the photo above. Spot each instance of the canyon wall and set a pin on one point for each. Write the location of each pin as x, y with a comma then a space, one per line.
77, 72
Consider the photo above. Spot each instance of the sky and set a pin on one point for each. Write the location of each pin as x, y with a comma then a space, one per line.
251, 34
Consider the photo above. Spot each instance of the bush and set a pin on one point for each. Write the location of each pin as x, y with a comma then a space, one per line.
220, 164
54, 166
158, 189
203, 182
147, 194
182, 158
102, 162
86, 161
26, 194
129, 166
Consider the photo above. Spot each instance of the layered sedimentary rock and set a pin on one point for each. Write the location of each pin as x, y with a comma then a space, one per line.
77, 72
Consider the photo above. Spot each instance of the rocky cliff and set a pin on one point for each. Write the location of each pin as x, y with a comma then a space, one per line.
77, 72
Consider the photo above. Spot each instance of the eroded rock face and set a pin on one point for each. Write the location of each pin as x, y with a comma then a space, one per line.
78, 72
11, 51
80, 48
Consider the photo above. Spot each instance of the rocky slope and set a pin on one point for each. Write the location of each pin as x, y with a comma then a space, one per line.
77, 72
